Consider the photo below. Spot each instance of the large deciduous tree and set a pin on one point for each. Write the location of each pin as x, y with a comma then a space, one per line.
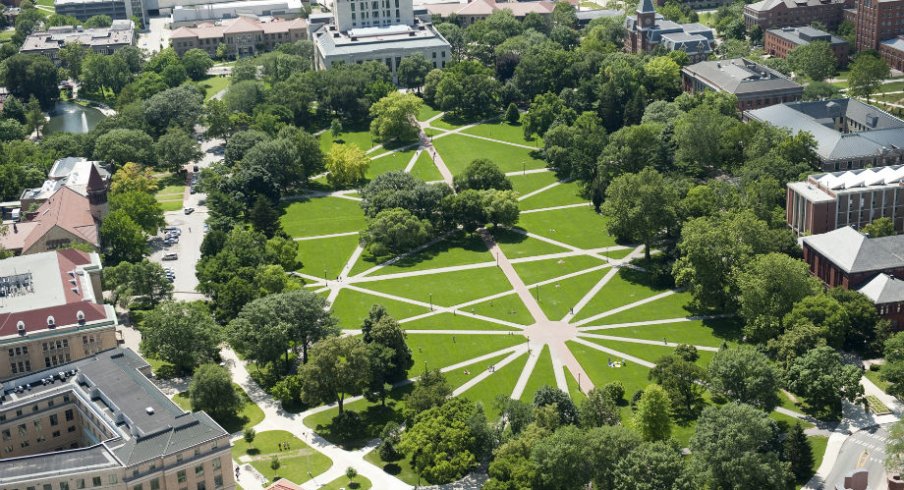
121, 145
394, 231
770, 284
211, 390
338, 367
824, 380
122, 239
27, 75
175, 149
641, 207
142, 207
867, 72
347, 165
482, 174
144, 281
183, 334
814, 60
745, 375
652, 419
394, 118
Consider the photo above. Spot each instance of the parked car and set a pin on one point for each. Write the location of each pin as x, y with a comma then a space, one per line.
196, 169
170, 256
189, 210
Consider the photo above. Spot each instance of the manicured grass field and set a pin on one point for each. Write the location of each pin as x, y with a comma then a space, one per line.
618, 254
541, 270
170, 197
448, 321
213, 85
515, 245
360, 483
326, 254
504, 131
459, 377
578, 227
426, 112
436, 351
456, 250
425, 169
874, 376
818, 444
509, 308
400, 469
624, 288
249, 416
526, 183
458, 151
541, 376
351, 307
446, 123
651, 353
558, 298
373, 416
698, 332
574, 390
446, 289
674, 306
560, 195
501, 382
394, 161
322, 216
295, 464
595, 363
363, 139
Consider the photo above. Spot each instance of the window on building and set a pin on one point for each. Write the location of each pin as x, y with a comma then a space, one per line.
155, 484
181, 477
199, 470
64, 485
95, 481
54, 420
138, 487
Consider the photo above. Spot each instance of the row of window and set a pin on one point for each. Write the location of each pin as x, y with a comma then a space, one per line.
54, 418
59, 344
55, 360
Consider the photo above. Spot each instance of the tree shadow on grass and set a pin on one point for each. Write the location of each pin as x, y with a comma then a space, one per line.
505, 236
469, 242
372, 420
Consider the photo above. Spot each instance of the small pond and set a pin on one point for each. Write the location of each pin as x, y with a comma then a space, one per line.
69, 117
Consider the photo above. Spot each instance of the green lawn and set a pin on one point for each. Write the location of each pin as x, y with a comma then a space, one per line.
295, 463
458, 151
527, 183
400, 469
436, 351
446, 289
509, 308
456, 250
360, 483
322, 216
818, 444
426, 112
212, 85
624, 288
574, 390
541, 376
326, 254
351, 307
560, 195
170, 197
874, 376
558, 298
447, 123
501, 382
595, 363
541, 270
448, 321
578, 227
425, 169
674, 306
7, 35
698, 332
504, 131
515, 245
394, 161
651, 353
373, 416
249, 416
363, 139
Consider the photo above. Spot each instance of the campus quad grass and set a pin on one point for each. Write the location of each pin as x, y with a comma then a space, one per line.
448, 321
295, 464
425, 169
541, 376
500, 382
400, 469
363, 139
326, 254
515, 245
212, 85
673, 306
618, 253
373, 417
446, 122
437, 351
322, 216
559, 297
818, 444
595, 364
509, 308
578, 227
459, 377
874, 376
542, 270
560, 195
170, 197
455, 250
360, 483
394, 161
447, 288
458, 151
647, 352
248, 417
526, 183
426, 112
351, 307
502, 130
697, 332
625, 287
574, 390
780, 417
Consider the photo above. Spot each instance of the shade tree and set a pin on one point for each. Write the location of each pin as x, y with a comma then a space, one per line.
182, 334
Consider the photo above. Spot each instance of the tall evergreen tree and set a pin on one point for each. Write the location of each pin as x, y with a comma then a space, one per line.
264, 217
798, 452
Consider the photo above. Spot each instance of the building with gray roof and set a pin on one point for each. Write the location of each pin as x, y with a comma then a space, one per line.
887, 293
753, 84
780, 42
102, 40
648, 30
768, 14
849, 134
100, 422
366, 31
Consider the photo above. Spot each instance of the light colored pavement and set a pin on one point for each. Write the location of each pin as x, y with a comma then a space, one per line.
156, 36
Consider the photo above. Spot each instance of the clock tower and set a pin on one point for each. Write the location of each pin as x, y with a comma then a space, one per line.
646, 14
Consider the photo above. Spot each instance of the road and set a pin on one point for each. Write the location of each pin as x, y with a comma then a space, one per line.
864, 449
192, 225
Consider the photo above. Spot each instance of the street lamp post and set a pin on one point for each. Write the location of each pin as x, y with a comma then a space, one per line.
431, 301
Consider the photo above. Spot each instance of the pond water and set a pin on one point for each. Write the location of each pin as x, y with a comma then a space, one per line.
69, 117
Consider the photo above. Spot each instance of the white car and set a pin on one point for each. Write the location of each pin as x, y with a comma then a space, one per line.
171, 256
189, 210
